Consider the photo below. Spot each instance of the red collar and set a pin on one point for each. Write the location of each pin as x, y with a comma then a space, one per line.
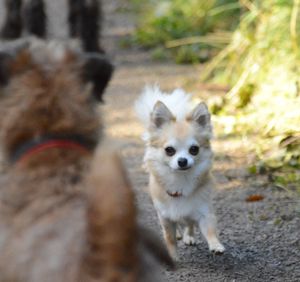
175, 194
44, 143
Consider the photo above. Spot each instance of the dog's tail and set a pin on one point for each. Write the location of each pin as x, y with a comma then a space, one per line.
178, 102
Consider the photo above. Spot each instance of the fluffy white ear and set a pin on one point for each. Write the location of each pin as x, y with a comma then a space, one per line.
201, 115
160, 115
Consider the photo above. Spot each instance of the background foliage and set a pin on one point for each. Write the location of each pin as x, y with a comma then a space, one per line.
203, 26
253, 46
262, 66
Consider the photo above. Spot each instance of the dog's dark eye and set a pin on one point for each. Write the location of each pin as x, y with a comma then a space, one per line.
194, 150
170, 151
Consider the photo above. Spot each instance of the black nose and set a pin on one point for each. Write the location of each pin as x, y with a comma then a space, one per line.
182, 162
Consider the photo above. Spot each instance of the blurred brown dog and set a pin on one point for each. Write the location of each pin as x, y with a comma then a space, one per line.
67, 211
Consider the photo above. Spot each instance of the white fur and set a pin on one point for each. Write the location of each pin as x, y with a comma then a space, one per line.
191, 207
194, 184
184, 182
178, 102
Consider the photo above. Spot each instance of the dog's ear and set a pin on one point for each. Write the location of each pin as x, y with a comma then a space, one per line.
13, 64
14, 58
98, 70
160, 115
201, 115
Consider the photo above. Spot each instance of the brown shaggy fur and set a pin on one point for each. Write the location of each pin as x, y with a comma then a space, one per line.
65, 215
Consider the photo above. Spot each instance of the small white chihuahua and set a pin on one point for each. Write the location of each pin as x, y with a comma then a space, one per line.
179, 158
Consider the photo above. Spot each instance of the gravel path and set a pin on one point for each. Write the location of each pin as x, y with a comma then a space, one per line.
262, 238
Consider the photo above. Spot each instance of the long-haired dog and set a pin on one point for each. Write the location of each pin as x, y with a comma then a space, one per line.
179, 159
84, 20
67, 211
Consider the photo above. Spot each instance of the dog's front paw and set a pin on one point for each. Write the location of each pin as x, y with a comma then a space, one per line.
189, 240
217, 249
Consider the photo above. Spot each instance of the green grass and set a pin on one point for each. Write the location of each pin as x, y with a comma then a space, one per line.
262, 65
162, 22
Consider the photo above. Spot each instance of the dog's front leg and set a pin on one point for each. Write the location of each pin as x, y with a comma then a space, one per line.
12, 27
35, 18
188, 235
169, 232
207, 226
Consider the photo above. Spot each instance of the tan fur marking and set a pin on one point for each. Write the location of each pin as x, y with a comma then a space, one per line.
211, 233
22, 62
156, 188
182, 130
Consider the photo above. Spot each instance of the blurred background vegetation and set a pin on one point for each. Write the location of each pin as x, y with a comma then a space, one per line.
250, 46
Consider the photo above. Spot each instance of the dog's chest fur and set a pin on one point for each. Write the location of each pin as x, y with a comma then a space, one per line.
189, 206
183, 183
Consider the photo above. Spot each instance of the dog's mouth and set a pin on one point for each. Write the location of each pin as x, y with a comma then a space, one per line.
184, 168
174, 194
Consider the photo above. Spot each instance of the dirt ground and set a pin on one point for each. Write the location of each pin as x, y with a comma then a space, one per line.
262, 239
